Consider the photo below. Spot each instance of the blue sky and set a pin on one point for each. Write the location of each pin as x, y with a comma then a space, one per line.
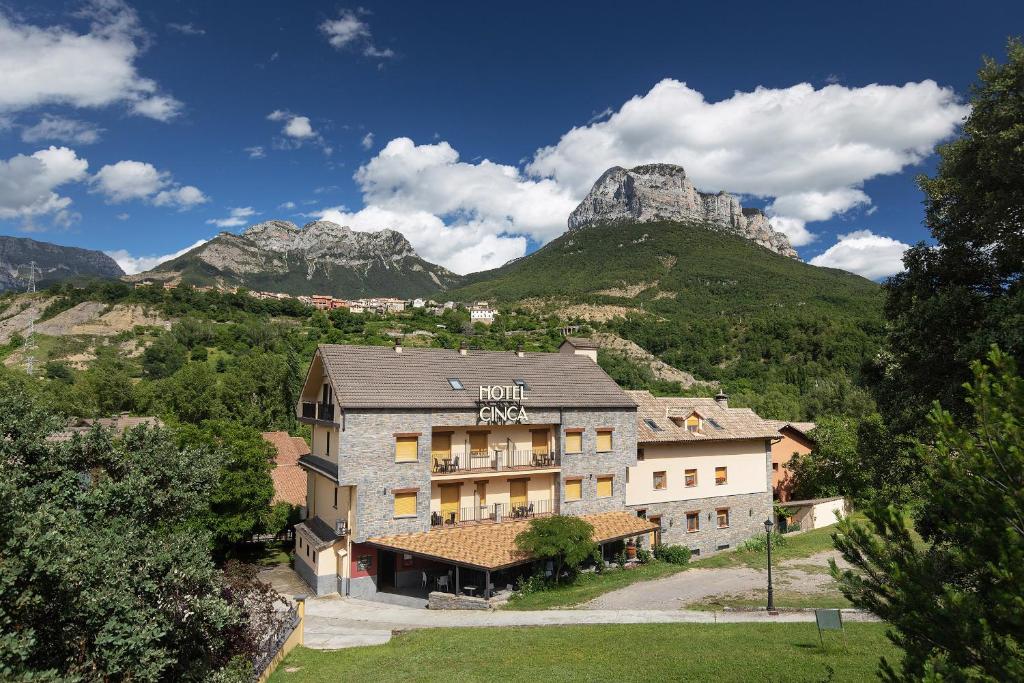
430, 117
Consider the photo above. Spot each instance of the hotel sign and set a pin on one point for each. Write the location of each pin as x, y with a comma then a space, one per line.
502, 404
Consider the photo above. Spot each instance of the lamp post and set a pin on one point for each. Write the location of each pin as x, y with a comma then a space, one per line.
768, 531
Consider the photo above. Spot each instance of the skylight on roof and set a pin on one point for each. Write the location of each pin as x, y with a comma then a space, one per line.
714, 424
652, 424
456, 384
520, 383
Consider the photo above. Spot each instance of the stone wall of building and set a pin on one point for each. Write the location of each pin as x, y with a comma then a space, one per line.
589, 464
747, 513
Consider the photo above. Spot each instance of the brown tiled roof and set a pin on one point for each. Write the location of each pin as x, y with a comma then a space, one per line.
119, 425
493, 546
802, 427
720, 423
581, 342
378, 377
289, 478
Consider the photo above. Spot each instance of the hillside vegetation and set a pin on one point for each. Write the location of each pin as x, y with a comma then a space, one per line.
785, 337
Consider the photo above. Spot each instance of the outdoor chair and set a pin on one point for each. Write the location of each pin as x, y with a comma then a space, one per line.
442, 583
423, 581
455, 464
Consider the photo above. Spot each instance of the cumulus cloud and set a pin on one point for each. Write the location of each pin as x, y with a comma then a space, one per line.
807, 150
138, 180
96, 68
296, 131
61, 129
28, 184
350, 31
139, 264
237, 216
865, 253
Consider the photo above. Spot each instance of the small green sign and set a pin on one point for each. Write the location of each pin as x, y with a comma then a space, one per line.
828, 619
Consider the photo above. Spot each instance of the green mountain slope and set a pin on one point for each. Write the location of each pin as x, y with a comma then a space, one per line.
787, 337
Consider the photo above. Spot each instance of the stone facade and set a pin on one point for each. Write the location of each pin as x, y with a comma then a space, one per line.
590, 464
439, 600
747, 513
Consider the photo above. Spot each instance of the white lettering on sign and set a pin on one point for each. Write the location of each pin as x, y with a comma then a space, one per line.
502, 404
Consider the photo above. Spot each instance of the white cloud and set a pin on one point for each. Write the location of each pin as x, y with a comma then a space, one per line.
123, 216
237, 216
286, 205
138, 180
298, 127
59, 65
188, 29
808, 150
297, 131
256, 152
865, 253
367, 141
28, 183
139, 264
350, 31
60, 129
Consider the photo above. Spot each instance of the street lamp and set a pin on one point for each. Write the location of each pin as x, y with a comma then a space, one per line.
768, 531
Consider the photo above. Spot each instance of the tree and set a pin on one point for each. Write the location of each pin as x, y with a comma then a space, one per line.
192, 393
105, 571
966, 292
106, 387
239, 503
567, 541
163, 357
956, 605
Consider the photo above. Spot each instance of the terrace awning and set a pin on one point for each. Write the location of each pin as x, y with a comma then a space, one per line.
491, 547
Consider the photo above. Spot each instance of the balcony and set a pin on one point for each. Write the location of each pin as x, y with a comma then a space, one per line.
491, 514
494, 460
317, 411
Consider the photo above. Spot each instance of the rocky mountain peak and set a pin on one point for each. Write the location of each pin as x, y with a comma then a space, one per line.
663, 192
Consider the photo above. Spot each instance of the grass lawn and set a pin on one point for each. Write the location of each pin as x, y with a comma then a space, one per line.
797, 546
263, 554
784, 599
589, 586
634, 652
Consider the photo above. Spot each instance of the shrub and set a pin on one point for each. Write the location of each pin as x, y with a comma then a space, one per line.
673, 554
759, 544
643, 555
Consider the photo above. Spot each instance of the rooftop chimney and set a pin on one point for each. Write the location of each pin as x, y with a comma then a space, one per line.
722, 399
398, 346
519, 351
462, 348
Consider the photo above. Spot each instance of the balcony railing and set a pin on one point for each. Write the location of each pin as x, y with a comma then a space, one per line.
493, 461
491, 514
317, 410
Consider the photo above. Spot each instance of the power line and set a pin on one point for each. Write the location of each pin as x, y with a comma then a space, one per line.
30, 339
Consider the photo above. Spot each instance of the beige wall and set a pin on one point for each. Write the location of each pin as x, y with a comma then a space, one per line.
319, 444
320, 500
540, 487
745, 461
517, 437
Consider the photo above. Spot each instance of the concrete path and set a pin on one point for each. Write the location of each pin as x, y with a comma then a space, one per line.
334, 623
805, 575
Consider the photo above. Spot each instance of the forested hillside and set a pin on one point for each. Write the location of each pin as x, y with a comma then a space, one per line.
785, 337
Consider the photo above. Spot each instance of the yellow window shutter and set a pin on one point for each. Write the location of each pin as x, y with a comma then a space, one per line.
604, 441
573, 489
405, 448
405, 504
604, 487
574, 442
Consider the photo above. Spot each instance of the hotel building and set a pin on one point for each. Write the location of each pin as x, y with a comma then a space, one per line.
425, 464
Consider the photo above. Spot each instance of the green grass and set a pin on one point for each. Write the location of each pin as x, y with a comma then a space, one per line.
797, 546
263, 554
635, 652
784, 599
589, 586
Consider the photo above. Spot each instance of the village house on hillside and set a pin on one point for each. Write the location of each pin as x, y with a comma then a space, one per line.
426, 463
793, 440
481, 312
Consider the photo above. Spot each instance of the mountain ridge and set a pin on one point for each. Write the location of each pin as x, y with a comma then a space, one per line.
54, 261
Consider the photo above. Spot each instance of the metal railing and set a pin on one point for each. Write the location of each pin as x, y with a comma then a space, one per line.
498, 512
493, 460
318, 410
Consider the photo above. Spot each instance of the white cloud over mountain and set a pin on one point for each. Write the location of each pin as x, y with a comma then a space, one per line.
237, 216
58, 65
865, 253
139, 264
805, 151
138, 180
28, 183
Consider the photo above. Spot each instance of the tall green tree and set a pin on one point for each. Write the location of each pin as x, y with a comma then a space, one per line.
955, 604
966, 292
105, 572
566, 541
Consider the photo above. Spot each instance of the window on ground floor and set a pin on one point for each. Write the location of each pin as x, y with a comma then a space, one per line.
723, 518
692, 522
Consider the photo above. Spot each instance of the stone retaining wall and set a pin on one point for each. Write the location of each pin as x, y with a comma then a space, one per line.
439, 600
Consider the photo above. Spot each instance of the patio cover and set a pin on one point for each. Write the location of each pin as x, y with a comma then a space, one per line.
493, 546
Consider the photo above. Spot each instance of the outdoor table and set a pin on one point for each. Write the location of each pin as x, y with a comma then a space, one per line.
447, 464
470, 590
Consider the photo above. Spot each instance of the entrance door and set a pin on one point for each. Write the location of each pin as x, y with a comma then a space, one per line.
655, 535
385, 570
450, 503
481, 495
517, 492
540, 441
440, 447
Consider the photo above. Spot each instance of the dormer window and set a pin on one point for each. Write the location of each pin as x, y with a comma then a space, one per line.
694, 423
456, 384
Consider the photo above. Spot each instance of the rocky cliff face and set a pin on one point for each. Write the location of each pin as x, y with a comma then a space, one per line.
662, 192
319, 258
54, 262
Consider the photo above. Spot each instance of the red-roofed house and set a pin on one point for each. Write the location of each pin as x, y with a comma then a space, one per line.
289, 478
